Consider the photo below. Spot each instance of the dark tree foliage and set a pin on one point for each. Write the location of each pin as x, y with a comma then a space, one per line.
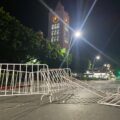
16, 41
18, 44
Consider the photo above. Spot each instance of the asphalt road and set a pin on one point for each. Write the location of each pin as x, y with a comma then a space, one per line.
73, 105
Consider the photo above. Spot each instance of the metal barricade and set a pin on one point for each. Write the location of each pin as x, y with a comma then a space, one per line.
22, 79
30, 79
58, 82
111, 99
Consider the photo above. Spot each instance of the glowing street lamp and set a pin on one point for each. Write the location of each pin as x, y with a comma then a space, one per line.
95, 59
105, 65
77, 34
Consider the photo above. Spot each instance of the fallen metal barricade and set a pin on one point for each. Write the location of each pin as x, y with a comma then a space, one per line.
111, 99
59, 82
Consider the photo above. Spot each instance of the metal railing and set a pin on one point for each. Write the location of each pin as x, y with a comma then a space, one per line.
30, 79
22, 79
111, 99
25, 79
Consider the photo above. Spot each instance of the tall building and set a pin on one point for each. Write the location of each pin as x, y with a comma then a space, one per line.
58, 31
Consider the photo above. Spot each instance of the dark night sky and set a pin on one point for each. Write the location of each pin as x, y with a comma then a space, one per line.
102, 28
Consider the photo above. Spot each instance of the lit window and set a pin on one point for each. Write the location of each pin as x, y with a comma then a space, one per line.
57, 32
55, 26
58, 25
52, 33
52, 39
52, 27
57, 38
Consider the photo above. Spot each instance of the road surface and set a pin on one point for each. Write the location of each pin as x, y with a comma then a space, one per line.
73, 105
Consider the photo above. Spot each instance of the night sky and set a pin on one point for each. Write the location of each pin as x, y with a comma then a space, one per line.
102, 28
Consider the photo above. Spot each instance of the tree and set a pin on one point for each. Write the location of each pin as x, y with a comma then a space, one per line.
16, 40
20, 44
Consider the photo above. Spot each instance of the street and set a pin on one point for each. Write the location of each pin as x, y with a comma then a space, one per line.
78, 104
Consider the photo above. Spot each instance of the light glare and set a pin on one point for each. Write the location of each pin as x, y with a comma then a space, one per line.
97, 57
78, 34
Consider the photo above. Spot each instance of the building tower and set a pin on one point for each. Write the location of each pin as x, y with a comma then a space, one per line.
57, 30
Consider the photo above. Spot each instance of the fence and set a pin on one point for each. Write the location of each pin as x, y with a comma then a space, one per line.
111, 99
19, 79
25, 79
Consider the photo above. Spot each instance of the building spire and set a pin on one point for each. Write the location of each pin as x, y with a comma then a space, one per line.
59, 5
59, 1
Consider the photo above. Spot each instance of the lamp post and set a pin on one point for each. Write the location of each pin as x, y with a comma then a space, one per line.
77, 34
95, 59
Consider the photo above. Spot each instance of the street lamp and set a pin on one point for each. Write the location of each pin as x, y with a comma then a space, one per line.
77, 34
105, 65
95, 59
98, 57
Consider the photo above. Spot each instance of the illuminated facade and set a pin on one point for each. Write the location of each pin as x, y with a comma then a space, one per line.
57, 31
